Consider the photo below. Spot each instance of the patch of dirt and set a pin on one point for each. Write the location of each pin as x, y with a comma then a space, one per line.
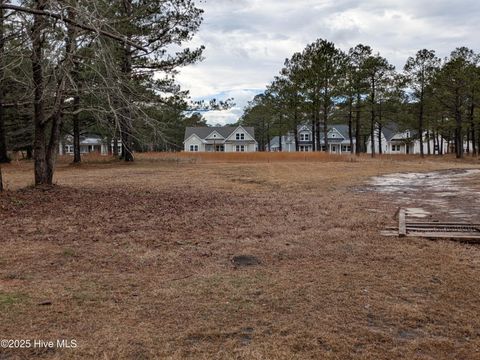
245, 261
441, 194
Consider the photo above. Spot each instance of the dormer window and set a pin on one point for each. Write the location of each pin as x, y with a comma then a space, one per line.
240, 136
305, 137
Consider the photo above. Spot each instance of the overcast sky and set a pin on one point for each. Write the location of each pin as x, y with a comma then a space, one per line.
247, 41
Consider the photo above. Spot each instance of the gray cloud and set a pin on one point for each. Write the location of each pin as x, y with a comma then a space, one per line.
247, 41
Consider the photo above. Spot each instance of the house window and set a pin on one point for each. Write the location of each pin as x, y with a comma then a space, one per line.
240, 148
396, 148
305, 137
219, 148
69, 149
345, 148
304, 148
240, 136
194, 148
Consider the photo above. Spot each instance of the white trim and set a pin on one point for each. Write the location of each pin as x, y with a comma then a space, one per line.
235, 131
198, 137
220, 137
334, 130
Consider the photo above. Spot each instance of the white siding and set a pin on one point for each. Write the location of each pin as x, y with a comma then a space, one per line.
194, 140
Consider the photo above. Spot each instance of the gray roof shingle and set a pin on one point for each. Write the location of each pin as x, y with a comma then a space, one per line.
225, 131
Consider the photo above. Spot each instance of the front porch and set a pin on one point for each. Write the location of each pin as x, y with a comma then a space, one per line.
214, 148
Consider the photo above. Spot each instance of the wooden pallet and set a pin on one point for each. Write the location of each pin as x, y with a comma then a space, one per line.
435, 229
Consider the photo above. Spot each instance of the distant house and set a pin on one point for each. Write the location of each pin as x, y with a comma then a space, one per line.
90, 143
220, 138
338, 140
393, 140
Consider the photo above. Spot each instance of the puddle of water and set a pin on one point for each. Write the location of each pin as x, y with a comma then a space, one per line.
440, 191
417, 212
444, 181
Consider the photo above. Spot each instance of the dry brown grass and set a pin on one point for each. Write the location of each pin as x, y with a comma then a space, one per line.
136, 260
267, 157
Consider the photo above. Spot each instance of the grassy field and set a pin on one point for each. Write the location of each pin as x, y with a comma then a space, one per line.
144, 260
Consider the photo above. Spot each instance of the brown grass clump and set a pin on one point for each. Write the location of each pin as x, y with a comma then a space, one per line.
139, 261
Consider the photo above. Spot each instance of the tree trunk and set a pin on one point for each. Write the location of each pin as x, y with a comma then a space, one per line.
295, 133
3, 136
472, 126
39, 147
45, 154
427, 137
458, 128
468, 141
127, 150
357, 124
380, 150
280, 132
350, 121
115, 147
314, 121
318, 140
420, 121
295, 126
53, 146
268, 137
1, 180
126, 126
77, 157
380, 138
262, 139
325, 124
372, 120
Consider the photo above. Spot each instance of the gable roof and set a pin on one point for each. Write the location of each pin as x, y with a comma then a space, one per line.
225, 131
275, 142
286, 139
342, 129
304, 128
390, 130
214, 134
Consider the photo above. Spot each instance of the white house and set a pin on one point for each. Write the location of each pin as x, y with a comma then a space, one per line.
393, 140
220, 138
338, 140
88, 144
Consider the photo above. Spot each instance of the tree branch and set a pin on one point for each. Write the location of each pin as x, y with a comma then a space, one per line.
71, 22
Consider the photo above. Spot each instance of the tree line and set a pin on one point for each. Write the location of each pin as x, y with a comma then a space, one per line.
73, 66
324, 85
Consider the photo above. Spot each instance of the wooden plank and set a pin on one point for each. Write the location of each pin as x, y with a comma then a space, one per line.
447, 228
389, 233
402, 227
443, 223
453, 236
